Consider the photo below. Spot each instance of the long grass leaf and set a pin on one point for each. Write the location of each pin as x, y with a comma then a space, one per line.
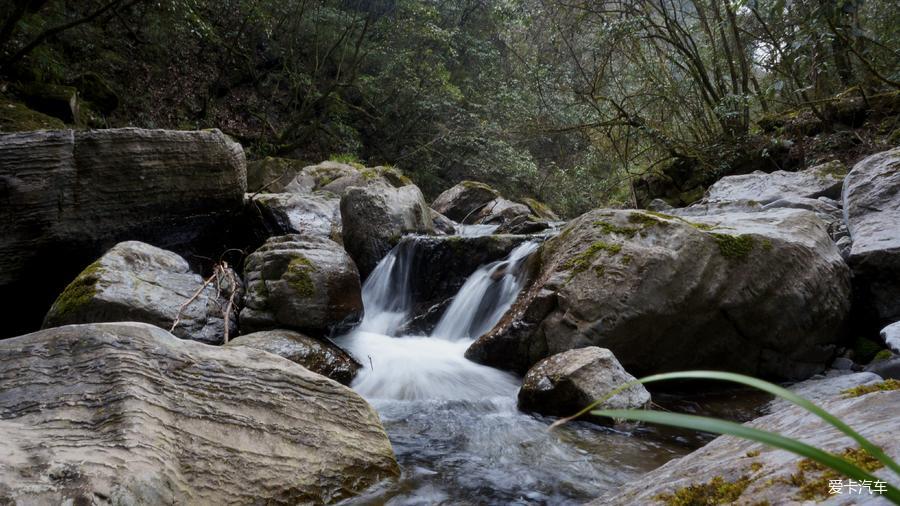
735, 429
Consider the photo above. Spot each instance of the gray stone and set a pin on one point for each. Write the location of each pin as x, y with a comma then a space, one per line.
763, 474
890, 335
872, 211
763, 293
318, 177
888, 368
843, 364
442, 224
567, 382
307, 283
764, 188
124, 413
377, 215
500, 210
68, 196
463, 200
138, 282
320, 357
272, 175
317, 214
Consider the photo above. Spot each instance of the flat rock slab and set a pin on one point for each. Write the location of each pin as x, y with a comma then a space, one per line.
759, 474
125, 413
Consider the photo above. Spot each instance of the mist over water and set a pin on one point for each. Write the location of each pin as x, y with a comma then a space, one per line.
453, 423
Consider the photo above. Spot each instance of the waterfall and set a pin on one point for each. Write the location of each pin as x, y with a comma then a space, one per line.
432, 367
485, 297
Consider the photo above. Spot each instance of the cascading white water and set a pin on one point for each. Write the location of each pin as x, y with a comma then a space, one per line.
433, 367
453, 423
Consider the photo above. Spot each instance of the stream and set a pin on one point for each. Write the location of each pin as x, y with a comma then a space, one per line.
454, 424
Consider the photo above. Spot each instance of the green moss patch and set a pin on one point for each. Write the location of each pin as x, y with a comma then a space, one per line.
79, 292
884, 386
716, 491
16, 117
580, 262
882, 355
609, 228
735, 247
812, 478
298, 276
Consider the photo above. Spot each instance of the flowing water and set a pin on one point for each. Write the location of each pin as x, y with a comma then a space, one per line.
454, 424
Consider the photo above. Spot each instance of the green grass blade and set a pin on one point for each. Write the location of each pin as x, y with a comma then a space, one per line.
735, 429
778, 391
759, 384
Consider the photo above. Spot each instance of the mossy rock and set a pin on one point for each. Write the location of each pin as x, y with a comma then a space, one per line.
98, 92
17, 117
80, 291
53, 99
298, 276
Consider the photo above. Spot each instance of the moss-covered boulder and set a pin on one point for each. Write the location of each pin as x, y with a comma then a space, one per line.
319, 356
17, 117
125, 413
138, 282
272, 175
301, 282
762, 293
52, 99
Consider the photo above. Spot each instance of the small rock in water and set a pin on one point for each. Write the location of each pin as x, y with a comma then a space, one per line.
567, 382
317, 356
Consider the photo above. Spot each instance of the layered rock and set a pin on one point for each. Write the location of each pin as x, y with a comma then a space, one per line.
316, 214
320, 357
762, 293
69, 196
565, 383
377, 215
135, 281
764, 188
872, 211
462, 200
126, 413
739, 471
308, 283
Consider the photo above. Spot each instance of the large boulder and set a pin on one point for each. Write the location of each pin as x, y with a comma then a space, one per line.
501, 210
730, 470
326, 176
377, 215
890, 335
316, 214
764, 188
308, 283
320, 357
567, 382
872, 211
762, 293
272, 175
461, 201
69, 196
125, 413
138, 282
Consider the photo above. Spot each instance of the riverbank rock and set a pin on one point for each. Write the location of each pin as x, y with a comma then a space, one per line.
730, 470
462, 200
329, 176
307, 283
71, 195
890, 335
565, 383
138, 282
377, 215
316, 214
762, 293
318, 356
125, 413
872, 211
272, 175
764, 188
